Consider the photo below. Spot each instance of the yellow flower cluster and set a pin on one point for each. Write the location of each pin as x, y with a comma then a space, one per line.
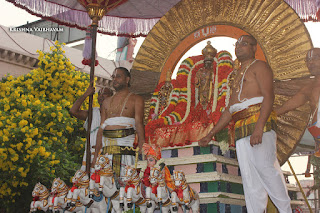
38, 137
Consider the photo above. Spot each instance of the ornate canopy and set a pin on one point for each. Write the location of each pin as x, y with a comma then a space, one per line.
132, 17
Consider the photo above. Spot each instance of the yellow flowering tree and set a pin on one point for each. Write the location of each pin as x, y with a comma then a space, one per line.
39, 140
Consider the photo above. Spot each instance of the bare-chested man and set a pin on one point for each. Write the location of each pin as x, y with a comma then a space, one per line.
311, 93
121, 117
250, 108
83, 115
77, 112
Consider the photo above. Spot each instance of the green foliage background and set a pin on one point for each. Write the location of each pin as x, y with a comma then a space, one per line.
39, 140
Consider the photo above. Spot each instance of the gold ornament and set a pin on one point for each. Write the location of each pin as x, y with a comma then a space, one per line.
209, 52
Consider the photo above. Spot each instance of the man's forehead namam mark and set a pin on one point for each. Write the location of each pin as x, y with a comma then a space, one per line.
313, 53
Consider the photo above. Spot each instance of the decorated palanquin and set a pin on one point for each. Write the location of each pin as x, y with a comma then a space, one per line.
184, 110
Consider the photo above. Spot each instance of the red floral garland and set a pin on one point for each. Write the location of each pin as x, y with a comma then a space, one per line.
197, 118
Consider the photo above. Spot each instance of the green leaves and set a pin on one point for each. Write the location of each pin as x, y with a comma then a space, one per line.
39, 140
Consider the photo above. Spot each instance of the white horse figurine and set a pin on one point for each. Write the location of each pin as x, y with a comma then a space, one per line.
59, 191
58, 200
81, 179
132, 191
158, 190
107, 184
40, 194
184, 194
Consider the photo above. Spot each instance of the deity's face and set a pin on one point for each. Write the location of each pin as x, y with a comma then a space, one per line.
208, 63
103, 94
151, 161
245, 48
119, 80
313, 61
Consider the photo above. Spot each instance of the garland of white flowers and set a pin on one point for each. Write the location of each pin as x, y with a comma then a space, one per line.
189, 92
216, 85
224, 146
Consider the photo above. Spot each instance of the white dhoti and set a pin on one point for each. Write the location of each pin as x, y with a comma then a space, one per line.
122, 141
93, 136
260, 169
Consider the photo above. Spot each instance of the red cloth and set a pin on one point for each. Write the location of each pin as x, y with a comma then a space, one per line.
88, 62
96, 177
146, 175
35, 198
151, 149
154, 189
179, 192
73, 188
128, 186
314, 131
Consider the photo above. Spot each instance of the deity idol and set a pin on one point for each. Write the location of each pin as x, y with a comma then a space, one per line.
182, 111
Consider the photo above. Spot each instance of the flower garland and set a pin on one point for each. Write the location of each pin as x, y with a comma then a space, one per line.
176, 109
189, 89
224, 146
228, 91
216, 84
183, 108
225, 69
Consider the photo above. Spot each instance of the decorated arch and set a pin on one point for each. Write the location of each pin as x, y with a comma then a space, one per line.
282, 37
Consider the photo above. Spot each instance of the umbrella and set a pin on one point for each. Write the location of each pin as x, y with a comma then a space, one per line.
143, 13
96, 10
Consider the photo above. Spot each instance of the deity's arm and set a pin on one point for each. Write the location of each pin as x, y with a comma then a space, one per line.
139, 115
296, 101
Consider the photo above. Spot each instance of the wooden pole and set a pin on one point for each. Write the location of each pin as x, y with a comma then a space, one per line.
93, 61
301, 189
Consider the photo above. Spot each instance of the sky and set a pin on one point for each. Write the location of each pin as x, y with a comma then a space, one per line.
13, 16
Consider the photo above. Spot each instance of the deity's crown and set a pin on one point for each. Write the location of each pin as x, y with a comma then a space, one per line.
209, 52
